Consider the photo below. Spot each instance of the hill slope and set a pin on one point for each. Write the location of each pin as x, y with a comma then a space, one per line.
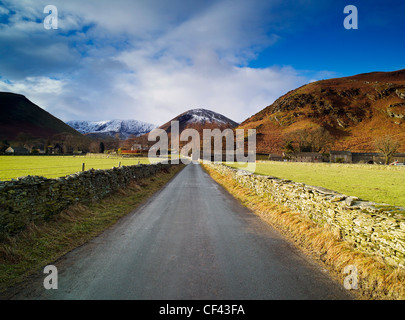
355, 110
20, 115
198, 119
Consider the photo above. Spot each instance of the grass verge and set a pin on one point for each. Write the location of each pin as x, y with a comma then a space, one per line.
40, 244
377, 183
12, 167
376, 280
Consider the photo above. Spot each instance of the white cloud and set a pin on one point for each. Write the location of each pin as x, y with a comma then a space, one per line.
238, 92
42, 91
4, 10
34, 86
145, 60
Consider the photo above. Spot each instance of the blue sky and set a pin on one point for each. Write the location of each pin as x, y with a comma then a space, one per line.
324, 44
153, 59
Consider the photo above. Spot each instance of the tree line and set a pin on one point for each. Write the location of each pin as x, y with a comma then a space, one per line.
321, 141
61, 143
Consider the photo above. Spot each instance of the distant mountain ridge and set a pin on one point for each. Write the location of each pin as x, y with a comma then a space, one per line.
110, 128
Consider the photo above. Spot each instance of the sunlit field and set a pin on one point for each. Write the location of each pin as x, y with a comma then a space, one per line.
377, 183
12, 167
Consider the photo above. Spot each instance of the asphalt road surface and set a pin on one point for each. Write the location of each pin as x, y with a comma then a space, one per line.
191, 240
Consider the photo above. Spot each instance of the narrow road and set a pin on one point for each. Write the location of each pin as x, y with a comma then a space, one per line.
191, 240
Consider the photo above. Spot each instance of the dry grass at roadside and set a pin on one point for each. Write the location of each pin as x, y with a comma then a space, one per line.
41, 244
376, 280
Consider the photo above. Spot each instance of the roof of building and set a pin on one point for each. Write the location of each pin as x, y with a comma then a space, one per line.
18, 149
341, 152
306, 154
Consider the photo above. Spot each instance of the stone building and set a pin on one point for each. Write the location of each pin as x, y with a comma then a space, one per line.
340, 156
307, 157
16, 150
364, 157
275, 157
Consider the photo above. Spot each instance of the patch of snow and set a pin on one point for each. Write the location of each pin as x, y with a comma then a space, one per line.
124, 127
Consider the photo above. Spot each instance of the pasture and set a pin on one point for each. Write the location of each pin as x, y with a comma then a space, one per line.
377, 183
12, 167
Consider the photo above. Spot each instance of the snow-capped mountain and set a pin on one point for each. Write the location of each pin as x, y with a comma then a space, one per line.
203, 116
124, 128
200, 119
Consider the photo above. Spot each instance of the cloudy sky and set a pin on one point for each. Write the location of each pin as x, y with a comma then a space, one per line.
153, 59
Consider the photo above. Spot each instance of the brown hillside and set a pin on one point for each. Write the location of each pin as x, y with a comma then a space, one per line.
355, 110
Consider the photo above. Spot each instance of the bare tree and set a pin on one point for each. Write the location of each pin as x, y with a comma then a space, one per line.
317, 140
321, 140
24, 139
387, 145
94, 147
304, 140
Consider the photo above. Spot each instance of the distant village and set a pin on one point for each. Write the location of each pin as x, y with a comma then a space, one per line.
65, 144
340, 157
331, 157
57, 149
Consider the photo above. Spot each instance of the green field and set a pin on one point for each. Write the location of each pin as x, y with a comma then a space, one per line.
381, 184
12, 167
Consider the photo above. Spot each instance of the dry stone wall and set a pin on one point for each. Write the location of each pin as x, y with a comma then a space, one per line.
370, 227
33, 198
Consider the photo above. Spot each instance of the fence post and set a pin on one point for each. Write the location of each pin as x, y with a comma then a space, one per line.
83, 166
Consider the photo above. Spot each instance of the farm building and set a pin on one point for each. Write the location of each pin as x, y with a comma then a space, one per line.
399, 157
275, 157
307, 157
341, 156
338, 156
363, 157
16, 150
136, 147
367, 157
56, 149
